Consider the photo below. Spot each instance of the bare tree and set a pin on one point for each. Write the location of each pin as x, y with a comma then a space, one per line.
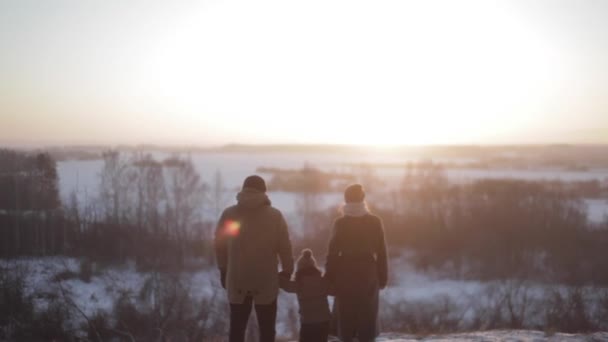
115, 185
217, 194
150, 191
185, 193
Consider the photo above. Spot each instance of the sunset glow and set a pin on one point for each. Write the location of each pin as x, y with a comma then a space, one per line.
314, 72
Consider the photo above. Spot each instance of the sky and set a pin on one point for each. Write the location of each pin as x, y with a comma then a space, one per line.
377, 72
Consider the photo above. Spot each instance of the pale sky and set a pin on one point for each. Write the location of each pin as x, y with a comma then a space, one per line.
256, 71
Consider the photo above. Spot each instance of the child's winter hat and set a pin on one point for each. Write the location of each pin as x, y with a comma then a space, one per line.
306, 260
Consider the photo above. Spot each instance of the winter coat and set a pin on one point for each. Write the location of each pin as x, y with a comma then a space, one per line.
250, 238
357, 268
311, 290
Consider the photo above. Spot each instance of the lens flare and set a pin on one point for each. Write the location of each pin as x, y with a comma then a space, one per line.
232, 227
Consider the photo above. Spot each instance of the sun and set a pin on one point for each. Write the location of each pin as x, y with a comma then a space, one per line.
391, 82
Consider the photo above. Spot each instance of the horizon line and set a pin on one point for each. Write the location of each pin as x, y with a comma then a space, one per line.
271, 146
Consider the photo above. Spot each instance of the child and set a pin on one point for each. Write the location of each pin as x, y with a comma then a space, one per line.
311, 289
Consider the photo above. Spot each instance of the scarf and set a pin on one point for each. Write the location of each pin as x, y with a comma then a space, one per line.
355, 209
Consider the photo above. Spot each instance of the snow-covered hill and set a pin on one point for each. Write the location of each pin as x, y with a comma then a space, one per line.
43, 282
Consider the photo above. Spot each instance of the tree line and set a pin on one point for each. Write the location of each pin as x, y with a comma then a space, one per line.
497, 229
152, 211
145, 209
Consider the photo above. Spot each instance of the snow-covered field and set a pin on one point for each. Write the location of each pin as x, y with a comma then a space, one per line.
597, 210
82, 177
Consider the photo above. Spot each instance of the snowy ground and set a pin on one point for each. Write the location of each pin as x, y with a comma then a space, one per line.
417, 290
104, 287
498, 335
107, 284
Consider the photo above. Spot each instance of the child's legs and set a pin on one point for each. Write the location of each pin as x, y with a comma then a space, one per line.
314, 332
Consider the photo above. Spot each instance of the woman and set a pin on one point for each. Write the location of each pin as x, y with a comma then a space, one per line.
357, 267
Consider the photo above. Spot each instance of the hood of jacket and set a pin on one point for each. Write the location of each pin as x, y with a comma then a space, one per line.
252, 198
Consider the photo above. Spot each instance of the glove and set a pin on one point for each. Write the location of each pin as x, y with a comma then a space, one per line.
331, 286
382, 283
286, 274
382, 280
223, 278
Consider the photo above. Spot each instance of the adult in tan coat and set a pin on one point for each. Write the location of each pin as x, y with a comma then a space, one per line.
251, 237
357, 268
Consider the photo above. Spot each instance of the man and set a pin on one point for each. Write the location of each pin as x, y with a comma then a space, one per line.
249, 237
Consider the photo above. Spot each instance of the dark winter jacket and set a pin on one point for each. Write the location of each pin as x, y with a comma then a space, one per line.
357, 268
250, 239
311, 289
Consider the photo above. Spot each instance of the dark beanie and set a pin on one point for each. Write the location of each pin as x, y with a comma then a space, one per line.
354, 194
255, 182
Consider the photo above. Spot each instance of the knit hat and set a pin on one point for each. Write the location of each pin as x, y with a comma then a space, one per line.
255, 182
354, 193
306, 260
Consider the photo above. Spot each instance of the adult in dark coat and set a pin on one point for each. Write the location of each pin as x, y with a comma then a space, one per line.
357, 267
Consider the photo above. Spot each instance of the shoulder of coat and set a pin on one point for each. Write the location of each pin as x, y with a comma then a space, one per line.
339, 221
274, 211
375, 219
230, 210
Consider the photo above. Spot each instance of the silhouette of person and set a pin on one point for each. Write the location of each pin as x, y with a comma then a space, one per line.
357, 268
312, 290
249, 237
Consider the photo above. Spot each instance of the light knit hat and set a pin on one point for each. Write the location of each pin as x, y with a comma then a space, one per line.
306, 260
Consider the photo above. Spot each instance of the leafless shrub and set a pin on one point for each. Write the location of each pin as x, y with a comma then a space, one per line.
165, 310
569, 310
422, 317
506, 304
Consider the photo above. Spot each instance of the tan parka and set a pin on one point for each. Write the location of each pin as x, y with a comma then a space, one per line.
250, 239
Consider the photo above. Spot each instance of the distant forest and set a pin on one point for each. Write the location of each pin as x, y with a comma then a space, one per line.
572, 157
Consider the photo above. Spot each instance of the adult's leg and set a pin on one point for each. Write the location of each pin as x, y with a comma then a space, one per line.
306, 332
347, 317
323, 332
368, 323
267, 317
314, 332
239, 316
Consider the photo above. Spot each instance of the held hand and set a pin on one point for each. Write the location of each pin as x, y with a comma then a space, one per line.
382, 280
330, 284
382, 284
223, 278
286, 274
